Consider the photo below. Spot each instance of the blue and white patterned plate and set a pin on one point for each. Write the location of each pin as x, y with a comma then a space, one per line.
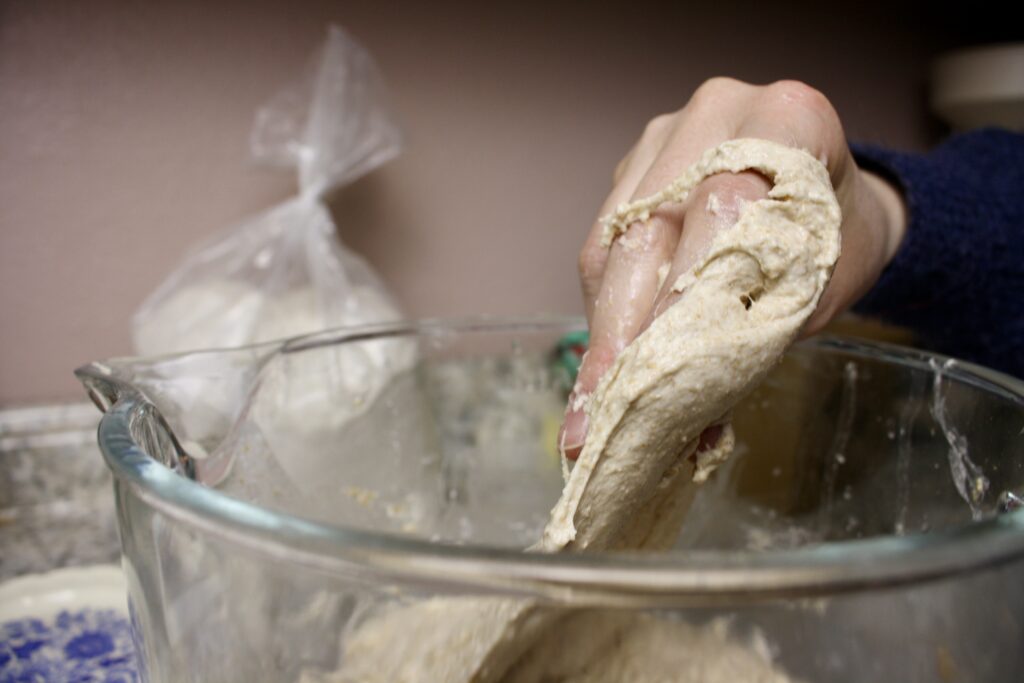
69, 625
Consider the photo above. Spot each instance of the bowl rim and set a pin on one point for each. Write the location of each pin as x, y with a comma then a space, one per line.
673, 578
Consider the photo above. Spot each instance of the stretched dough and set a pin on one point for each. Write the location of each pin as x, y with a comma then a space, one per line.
740, 307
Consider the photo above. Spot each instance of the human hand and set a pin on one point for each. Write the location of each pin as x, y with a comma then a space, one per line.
627, 286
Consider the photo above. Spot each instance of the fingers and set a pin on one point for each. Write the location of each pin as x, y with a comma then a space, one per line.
627, 290
626, 287
593, 263
715, 205
707, 120
620, 285
670, 143
574, 425
593, 256
633, 272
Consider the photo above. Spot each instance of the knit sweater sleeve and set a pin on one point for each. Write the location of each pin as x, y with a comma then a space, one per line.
957, 280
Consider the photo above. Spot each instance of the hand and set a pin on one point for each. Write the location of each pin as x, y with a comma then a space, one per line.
627, 286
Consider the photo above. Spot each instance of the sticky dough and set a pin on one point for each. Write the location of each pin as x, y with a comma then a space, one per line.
739, 308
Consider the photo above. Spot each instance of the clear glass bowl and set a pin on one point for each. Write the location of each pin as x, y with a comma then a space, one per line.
271, 499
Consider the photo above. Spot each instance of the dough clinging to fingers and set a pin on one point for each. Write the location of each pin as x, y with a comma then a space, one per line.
740, 307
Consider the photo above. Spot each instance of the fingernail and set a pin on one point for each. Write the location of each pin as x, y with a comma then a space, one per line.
573, 433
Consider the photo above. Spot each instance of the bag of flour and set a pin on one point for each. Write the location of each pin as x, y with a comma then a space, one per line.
284, 272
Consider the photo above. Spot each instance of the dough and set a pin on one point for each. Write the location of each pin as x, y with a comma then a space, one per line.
582, 646
741, 305
605, 646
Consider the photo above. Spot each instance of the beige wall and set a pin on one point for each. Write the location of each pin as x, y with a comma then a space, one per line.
124, 129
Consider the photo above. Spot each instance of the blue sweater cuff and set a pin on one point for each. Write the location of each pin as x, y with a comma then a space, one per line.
958, 277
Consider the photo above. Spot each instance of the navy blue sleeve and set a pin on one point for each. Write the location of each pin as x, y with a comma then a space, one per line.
957, 280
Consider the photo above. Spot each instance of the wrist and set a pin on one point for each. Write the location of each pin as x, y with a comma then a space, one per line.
893, 212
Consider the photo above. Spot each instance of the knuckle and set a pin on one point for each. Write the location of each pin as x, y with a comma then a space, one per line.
714, 89
810, 112
657, 125
799, 94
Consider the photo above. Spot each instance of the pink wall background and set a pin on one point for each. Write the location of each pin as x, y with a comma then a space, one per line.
124, 131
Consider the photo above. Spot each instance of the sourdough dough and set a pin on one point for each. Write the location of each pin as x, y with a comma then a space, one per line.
583, 646
741, 305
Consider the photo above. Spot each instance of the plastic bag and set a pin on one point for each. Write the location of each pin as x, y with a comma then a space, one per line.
284, 272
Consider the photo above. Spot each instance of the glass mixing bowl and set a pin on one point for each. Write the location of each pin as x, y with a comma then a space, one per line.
272, 499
